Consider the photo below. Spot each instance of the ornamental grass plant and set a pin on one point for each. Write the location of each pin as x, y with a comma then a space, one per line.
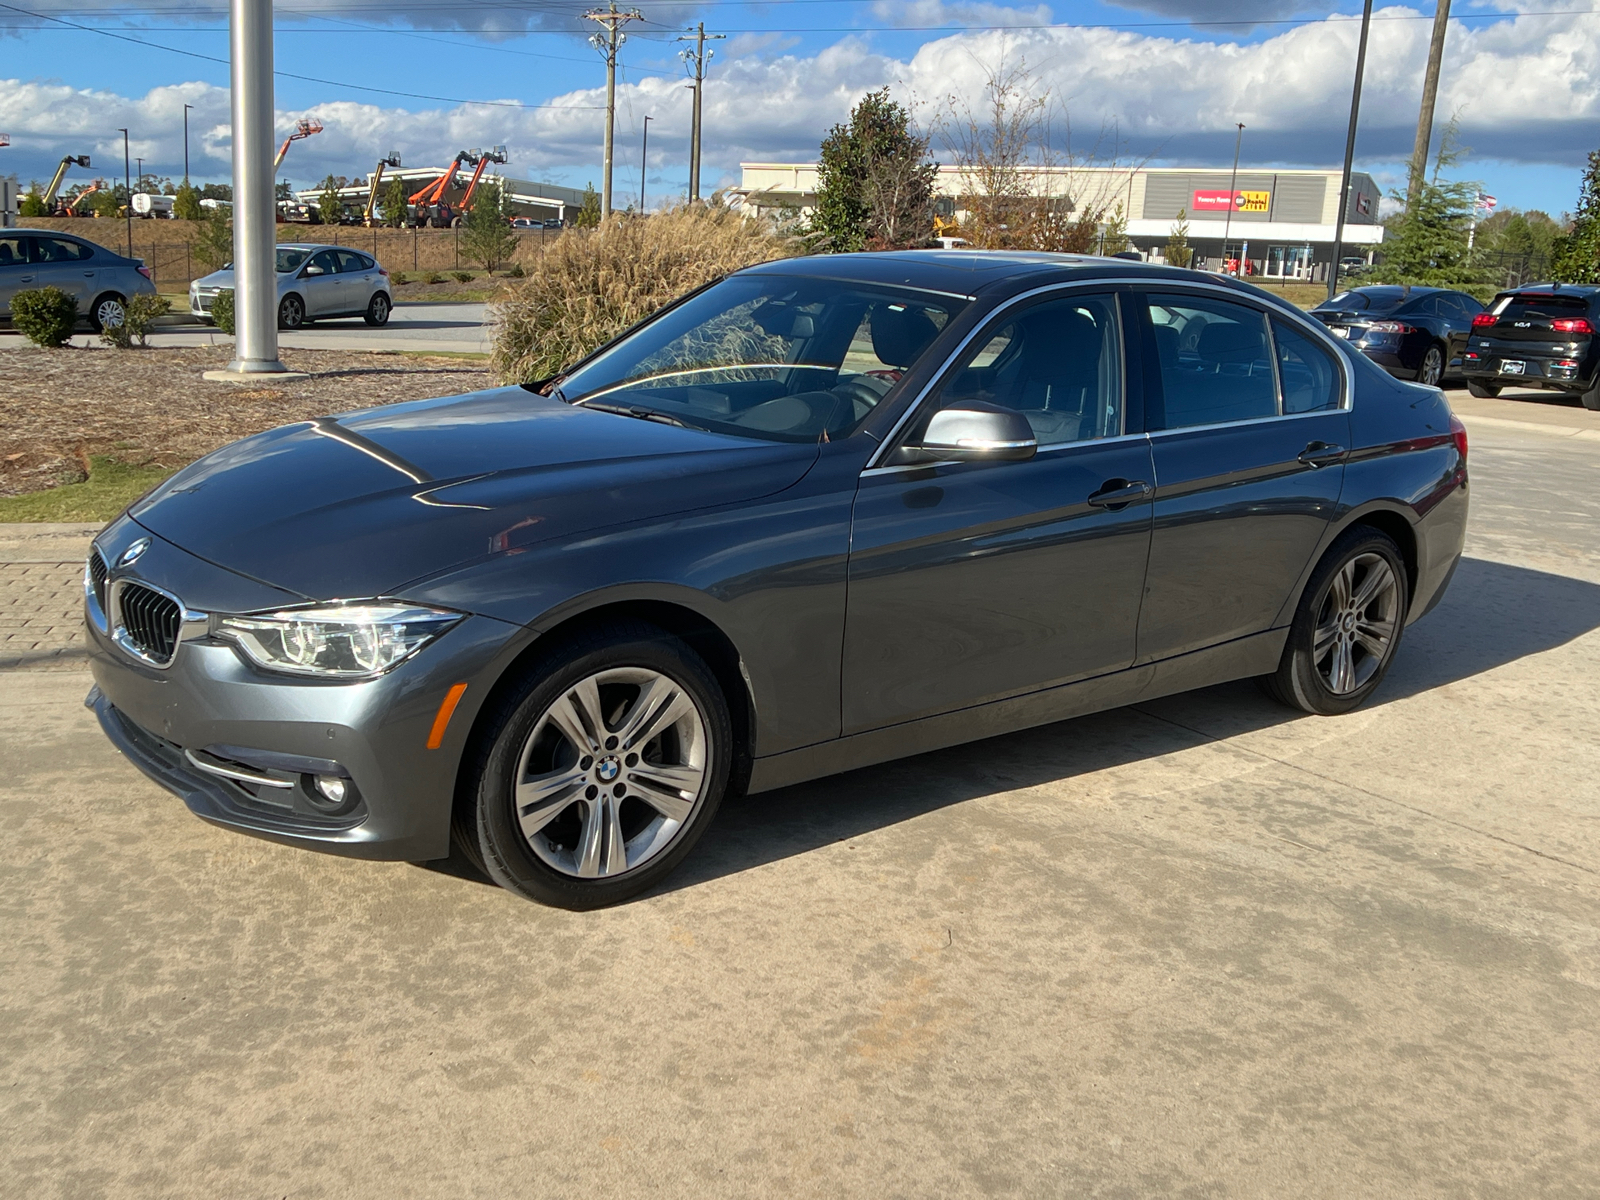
591, 284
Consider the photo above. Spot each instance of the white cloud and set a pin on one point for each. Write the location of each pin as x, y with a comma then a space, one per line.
1175, 98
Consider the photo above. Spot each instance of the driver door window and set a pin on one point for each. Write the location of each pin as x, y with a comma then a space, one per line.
1058, 363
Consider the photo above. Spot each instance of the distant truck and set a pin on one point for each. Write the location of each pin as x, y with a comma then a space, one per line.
151, 204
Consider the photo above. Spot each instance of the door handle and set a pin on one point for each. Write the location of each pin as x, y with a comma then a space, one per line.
25, 279
1319, 454
1119, 493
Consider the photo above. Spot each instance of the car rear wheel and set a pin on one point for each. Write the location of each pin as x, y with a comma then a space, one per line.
1347, 627
1483, 391
599, 773
378, 309
291, 312
108, 312
1432, 370
1591, 398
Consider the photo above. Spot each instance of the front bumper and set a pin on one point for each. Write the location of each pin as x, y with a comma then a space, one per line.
372, 733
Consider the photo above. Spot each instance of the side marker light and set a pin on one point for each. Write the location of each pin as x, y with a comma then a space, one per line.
447, 709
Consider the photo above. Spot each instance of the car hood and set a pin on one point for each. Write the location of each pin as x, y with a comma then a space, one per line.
224, 278
364, 503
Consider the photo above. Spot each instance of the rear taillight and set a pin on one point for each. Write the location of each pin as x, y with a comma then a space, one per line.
1389, 327
382, 272
1458, 431
145, 271
1571, 325
1483, 320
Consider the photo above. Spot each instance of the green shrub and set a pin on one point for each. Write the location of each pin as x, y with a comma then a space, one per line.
222, 310
433, 277
463, 276
592, 284
46, 316
398, 278
186, 204
515, 271
139, 317
33, 205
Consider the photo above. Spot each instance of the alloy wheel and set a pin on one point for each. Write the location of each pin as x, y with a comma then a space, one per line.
1432, 367
611, 772
291, 312
1356, 626
109, 314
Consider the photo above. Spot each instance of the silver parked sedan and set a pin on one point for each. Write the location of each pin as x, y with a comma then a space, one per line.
101, 280
315, 282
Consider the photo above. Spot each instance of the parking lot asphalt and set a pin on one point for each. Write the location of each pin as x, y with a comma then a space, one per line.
1200, 946
432, 328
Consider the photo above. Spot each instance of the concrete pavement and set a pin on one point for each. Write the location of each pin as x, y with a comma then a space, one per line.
432, 328
1202, 946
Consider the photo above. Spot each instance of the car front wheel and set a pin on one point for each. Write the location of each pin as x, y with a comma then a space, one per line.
109, 312
1432, 370
1483, 391
378, 309
291, 312
599, 773
1346, 628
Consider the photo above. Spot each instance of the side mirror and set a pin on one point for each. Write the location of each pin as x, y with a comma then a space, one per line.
978, 432
310, 271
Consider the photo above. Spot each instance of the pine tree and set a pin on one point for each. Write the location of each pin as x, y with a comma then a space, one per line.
33, 206
1114, 238
1178, 252
1577, 257
486, 236
214, 245
393, 206
588, 215
1430, 244
874, 183
329, 207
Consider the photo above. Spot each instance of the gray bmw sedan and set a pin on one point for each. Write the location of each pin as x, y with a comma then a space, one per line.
822, 513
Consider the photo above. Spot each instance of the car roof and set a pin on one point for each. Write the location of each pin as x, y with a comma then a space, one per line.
313, 246
970, 273
1554, 289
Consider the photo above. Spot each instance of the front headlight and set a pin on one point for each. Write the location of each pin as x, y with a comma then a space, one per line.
337, 641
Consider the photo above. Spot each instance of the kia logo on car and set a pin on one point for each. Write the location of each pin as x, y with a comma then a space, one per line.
1522, 324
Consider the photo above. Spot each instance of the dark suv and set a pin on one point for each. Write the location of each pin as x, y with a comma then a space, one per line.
1537, 336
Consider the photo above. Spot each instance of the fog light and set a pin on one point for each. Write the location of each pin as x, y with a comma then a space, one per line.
333, 788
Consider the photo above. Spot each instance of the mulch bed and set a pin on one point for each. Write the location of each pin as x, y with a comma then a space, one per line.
150, 407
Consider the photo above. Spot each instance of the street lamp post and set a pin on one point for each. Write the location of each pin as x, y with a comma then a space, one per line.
1349, 151
140, 161
254, 237
1233, 182
644, 163
127, 189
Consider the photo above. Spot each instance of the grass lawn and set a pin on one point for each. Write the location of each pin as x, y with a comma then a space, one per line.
112, 485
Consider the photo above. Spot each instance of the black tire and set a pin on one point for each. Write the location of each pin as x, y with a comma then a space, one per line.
1303, 677
1431, 372
291, 312
1483, 391
378, 309
107, 309
1591, 398
486, 824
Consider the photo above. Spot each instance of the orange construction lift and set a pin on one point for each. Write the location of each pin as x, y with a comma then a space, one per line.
304, 129
430, 198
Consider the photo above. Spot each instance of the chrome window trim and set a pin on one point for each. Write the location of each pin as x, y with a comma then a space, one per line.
1042, 451
1319, 412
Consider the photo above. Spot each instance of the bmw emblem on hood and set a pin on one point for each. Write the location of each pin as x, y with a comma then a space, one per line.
132, 553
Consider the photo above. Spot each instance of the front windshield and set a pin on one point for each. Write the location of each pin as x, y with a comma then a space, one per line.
781, 357
290, 260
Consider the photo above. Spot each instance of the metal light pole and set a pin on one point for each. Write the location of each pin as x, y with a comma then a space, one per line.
255, 297
697, 59
186, 109
140, 161
1233, 182
127, 189
607, 43
1430, 93
644, 163
1349, 150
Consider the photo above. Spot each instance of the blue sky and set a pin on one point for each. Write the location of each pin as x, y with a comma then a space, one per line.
1165, 80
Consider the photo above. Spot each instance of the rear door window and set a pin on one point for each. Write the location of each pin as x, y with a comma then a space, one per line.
60, 250
1307, 374
351, 263
1215, 362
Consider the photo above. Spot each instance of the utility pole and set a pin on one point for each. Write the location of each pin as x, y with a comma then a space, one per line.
644, 163
607, 43
186, 109
1349, 150
1233, 183
696, 60
1430, 92
127, 189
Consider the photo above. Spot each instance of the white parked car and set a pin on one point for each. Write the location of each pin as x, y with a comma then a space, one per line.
315, 283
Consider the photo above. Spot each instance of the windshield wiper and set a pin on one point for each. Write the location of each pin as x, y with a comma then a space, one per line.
641, 413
